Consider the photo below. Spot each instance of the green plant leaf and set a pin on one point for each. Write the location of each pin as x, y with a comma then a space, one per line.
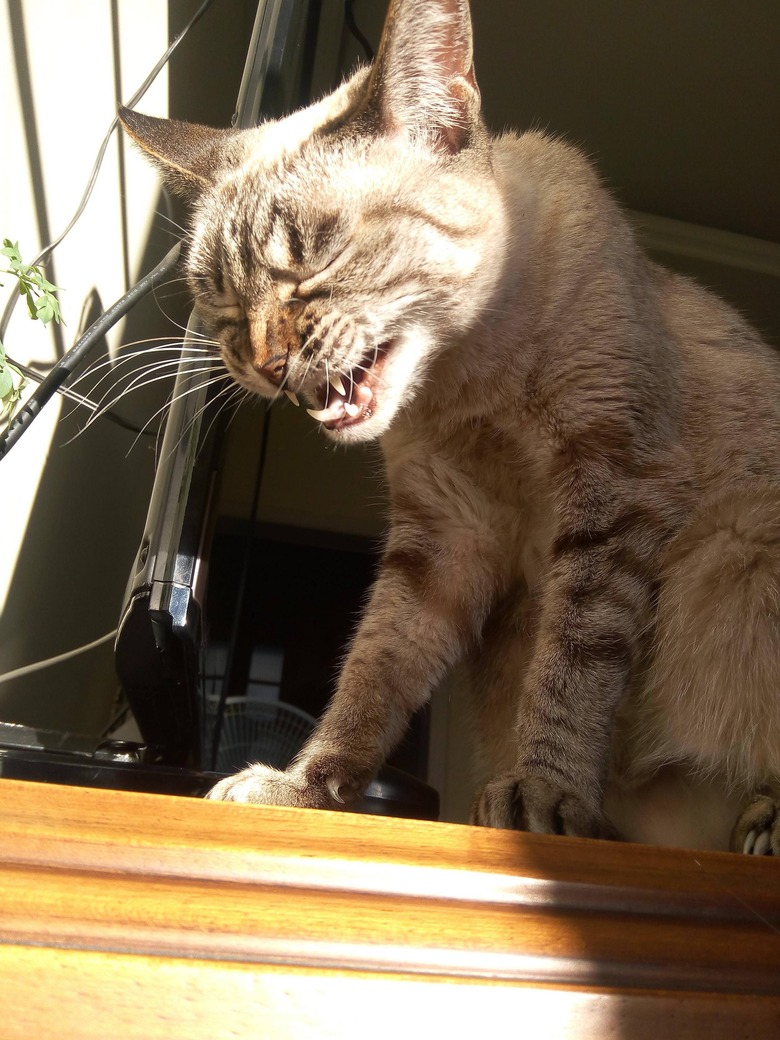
44, 310
10, 249
6, 383
42, 304
27, 293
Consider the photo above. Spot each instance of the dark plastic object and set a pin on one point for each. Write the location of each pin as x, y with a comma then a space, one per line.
126, 766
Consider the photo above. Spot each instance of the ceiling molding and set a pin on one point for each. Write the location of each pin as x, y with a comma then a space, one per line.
679, 238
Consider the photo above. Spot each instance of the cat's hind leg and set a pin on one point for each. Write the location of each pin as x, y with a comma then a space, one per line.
711, 697
757, 830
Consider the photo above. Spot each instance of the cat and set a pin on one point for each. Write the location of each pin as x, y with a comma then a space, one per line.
582, 449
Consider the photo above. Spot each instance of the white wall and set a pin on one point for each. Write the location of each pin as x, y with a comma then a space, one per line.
71, 68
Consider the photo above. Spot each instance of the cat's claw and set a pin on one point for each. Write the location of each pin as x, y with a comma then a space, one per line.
533, 803
263, 785
757, 831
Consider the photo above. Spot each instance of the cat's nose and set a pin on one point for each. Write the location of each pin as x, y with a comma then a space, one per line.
273, 369
270, 346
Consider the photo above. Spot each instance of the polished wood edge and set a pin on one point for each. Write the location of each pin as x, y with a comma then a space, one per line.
94, 995
119, 873
181, 837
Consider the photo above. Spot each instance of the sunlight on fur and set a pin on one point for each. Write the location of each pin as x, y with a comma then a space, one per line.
582, 449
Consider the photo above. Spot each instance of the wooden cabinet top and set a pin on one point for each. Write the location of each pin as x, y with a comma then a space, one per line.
151, 916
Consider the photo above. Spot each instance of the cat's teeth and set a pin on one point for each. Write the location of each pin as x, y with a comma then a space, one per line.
292, 397
338, 385
351, 409
320, 416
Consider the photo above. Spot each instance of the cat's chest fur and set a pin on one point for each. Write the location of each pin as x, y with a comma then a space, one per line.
477, 481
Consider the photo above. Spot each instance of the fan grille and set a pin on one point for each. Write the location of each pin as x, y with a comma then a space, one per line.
259, 731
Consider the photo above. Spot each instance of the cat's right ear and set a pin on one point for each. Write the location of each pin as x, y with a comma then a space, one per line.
188, 156
422, 81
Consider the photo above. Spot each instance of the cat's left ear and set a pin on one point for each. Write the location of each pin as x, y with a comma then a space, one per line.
422, 81
190, 157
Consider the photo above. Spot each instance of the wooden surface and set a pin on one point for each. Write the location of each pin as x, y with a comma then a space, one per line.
127, 915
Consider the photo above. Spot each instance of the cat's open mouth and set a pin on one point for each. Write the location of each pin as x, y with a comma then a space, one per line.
348, 399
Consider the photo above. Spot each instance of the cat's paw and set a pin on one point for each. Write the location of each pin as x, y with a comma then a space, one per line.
533, 803
263, 785
757, 831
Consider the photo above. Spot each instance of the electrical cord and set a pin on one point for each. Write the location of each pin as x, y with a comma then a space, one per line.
349, 19
72, 360
85, 402
37, 666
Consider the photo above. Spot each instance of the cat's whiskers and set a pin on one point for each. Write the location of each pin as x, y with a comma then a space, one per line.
137, 385
113, 364
82, 400
169, 219
175, 280
176, 342
137, 379
230, 393
309, 364
197, 387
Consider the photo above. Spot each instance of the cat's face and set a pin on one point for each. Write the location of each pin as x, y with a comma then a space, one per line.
335, 252
336, 273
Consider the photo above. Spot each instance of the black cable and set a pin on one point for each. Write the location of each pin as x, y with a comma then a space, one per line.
349, 19
71, 361
85, 402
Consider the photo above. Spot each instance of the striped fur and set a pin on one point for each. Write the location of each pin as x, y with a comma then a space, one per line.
582, 449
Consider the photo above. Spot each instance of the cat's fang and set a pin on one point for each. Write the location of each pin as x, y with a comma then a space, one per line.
351, 409
320, 416
292, 397
338, 385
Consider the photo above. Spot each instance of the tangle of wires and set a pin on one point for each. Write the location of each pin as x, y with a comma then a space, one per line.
55, 380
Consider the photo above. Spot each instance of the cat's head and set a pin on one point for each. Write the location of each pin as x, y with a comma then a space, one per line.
333, 253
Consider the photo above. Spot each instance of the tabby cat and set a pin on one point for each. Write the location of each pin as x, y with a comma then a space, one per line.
582, 449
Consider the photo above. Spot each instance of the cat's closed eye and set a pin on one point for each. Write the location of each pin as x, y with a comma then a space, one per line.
320, 282
225, 303
226, 308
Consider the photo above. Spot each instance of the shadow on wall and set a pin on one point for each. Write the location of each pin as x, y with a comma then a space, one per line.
81, 538
90, 506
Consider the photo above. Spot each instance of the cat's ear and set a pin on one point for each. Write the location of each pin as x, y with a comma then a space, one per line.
190, 157
422, 81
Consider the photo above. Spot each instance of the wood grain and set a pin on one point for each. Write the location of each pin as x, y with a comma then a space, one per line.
143, 915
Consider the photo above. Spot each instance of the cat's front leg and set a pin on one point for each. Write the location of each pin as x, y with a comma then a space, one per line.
264, 785
532, 802
426, 604
595, 604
